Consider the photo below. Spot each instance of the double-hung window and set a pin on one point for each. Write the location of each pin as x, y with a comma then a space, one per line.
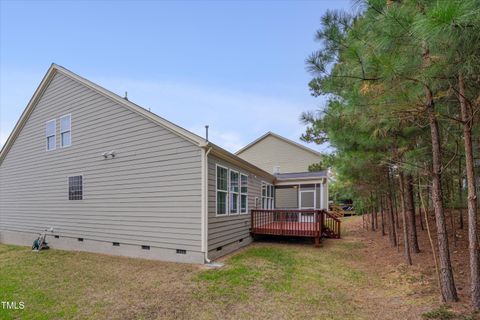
222, 190
231, 191
50, 135
234, 189
75, 188
267, 196
66, 131
243, 193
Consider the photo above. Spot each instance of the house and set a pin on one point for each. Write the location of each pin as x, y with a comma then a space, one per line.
295, 186
105, 175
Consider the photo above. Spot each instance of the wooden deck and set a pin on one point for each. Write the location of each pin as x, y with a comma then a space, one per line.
301, 229
295, 223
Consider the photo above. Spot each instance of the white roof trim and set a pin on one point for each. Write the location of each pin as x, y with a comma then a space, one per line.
269, 133
54, 68
291, 182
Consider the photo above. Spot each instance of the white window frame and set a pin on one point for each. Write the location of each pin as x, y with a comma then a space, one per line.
243, 194
269, 200
68, 186
300, 192
227, 206
61, 132
54, 135
231, 192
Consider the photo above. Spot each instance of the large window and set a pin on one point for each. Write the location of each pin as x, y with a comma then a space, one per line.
243, 193
232, 191
267, 196
66, 131
234, 188
222, 190
75, 188
50, 135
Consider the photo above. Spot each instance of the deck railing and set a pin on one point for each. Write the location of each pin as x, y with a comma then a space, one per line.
331, 225
300, 223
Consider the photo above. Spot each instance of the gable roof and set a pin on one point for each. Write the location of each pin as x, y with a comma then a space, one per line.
190, 136
269, 133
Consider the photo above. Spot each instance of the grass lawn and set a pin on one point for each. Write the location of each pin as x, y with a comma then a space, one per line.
263, 281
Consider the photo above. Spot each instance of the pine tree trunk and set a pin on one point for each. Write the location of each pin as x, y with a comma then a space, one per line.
412, 222
406, 240
395, 207
373, 219
420, 209
449, 292
460, 193
382, 215
392, 233
472, 197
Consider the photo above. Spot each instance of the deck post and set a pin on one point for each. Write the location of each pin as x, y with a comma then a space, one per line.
339, 228
318, 229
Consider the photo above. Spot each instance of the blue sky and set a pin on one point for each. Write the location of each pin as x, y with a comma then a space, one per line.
237, 66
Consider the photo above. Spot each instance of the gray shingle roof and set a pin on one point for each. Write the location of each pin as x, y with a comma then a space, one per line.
301, 175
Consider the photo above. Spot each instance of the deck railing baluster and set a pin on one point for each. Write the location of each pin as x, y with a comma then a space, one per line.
313, 223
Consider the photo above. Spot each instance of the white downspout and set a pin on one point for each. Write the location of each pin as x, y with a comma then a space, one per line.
204, 202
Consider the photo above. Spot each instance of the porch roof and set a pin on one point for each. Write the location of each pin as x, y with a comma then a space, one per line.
301, 175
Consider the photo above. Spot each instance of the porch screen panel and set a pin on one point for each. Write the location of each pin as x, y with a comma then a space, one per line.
307, 200
286, 198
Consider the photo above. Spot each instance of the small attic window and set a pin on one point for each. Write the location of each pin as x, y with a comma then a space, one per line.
50, 129
66, 131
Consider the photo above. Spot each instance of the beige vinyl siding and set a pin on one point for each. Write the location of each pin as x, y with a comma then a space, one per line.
149, 194
272, 151
224, 230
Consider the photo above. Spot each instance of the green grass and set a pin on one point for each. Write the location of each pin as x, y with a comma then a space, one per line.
444, 313
441, 313
271, 269
315, 282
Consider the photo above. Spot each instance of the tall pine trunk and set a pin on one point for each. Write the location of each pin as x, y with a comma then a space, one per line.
382, 215
392, 232
447, 283
406, 240
472, 197
411, 219
460, 193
